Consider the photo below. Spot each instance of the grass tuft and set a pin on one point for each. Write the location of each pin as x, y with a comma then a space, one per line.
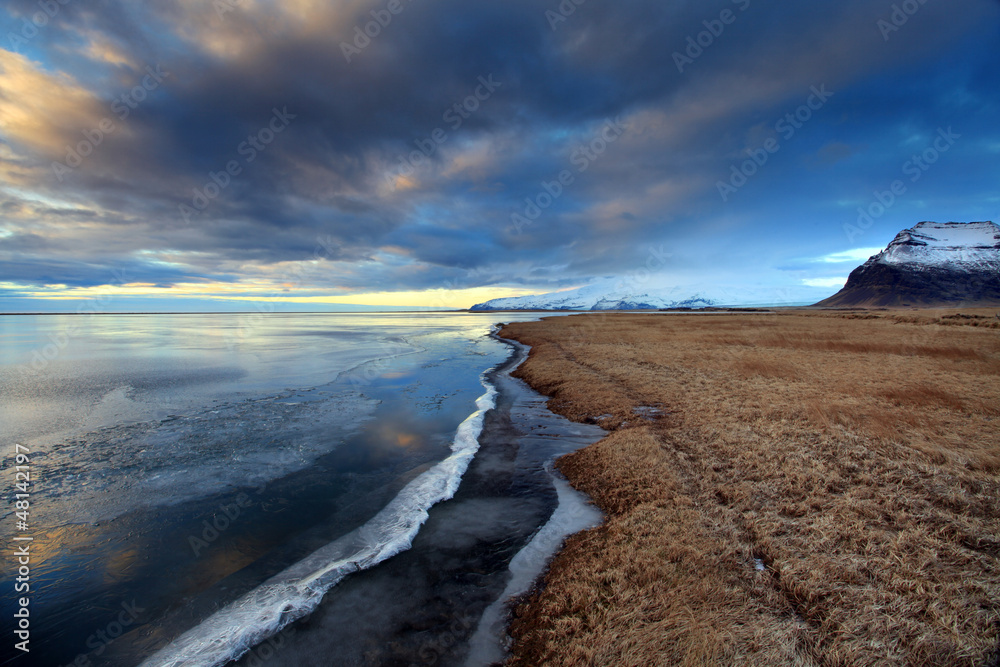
853, 457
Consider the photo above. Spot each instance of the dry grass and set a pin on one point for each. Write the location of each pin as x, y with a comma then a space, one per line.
856, 458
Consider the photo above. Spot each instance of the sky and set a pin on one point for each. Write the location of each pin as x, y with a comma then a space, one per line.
326, 155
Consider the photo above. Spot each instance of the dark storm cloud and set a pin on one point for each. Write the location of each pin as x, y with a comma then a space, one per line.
333, 170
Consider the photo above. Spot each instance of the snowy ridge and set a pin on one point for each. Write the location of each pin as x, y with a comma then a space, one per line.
958, 245
617, 295
933, 264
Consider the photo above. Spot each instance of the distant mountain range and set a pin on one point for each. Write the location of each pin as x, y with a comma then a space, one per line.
612, 294
932, 264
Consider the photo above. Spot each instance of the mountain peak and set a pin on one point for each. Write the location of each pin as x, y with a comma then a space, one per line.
944, 244
929, 264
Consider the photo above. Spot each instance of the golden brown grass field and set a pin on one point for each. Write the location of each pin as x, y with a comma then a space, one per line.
805, 488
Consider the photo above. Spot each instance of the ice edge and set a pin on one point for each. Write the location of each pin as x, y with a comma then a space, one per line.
297, 591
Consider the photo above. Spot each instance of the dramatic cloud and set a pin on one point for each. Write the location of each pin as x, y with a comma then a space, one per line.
344, 151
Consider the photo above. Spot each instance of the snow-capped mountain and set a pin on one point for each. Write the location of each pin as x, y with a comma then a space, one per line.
968, 245
621, 295
932, 264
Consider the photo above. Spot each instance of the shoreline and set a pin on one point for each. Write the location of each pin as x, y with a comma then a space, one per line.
574, 512
434, 594
422, 401
298, 590
788, 490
